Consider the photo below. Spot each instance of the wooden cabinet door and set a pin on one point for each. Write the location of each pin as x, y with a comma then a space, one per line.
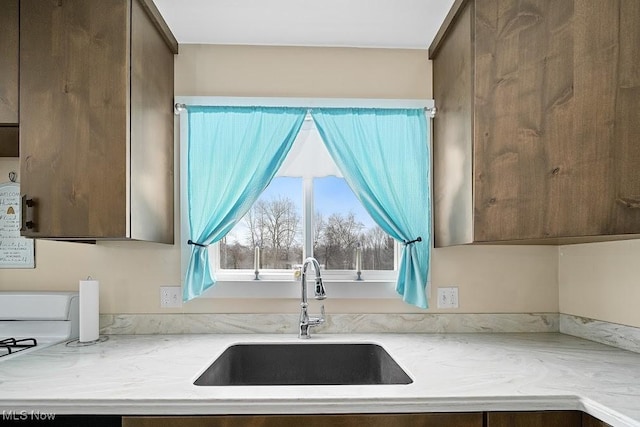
358, 420
9, 61
589, 421
151, 151
453, 134
9, 78
74, 116
534, 419
523, 89
617, 122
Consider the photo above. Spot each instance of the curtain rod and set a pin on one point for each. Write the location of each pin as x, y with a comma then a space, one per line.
179, 107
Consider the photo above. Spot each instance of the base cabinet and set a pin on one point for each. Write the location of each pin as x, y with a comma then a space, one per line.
474, 419
347, 420
542, 419
589, 421
468, 419
534, 419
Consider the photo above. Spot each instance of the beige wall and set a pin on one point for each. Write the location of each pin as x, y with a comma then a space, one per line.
491, 279
601, 281
208, 70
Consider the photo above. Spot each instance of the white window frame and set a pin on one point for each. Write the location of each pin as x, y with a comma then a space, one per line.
282, 283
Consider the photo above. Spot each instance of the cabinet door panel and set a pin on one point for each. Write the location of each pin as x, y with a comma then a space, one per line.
74, 115
378, 420
589, 421
452, 133
626, 209
151, 131
9, 141
9, 61
522, 117
534, 419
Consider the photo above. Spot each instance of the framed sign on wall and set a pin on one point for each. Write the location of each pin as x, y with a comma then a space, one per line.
15, 251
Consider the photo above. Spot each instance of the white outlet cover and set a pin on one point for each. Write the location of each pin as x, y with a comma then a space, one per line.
448, 297
170, 297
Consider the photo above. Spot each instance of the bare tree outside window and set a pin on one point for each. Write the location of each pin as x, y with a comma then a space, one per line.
339, 238
274, 224
319, 225
281, 223
377, 250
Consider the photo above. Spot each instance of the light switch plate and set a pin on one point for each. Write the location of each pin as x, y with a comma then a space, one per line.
170, 297
448, 297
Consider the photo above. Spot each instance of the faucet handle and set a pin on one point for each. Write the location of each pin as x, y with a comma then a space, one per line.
315, 321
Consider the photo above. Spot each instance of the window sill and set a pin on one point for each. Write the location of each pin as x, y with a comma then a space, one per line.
290, 288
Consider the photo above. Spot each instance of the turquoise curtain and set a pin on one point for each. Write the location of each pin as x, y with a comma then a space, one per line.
384, 157
233, 154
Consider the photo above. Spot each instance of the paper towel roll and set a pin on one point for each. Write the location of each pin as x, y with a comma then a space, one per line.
89, 310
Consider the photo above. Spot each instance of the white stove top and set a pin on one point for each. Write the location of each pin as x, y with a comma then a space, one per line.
46, 317
9, 347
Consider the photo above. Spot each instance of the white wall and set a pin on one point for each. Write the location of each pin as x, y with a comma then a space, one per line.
491, 279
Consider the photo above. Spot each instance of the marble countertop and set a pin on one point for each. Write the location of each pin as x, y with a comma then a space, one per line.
154, 374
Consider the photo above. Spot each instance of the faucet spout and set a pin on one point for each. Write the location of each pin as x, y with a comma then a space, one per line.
307, 322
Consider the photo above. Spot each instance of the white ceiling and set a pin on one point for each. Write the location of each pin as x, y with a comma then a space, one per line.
410, 24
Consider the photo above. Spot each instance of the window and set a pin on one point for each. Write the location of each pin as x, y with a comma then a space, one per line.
308, 209
312, 182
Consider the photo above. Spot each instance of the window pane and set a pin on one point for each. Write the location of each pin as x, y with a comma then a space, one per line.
274, 224
341, 224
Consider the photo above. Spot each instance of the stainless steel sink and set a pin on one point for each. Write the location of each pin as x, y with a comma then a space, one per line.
303, 364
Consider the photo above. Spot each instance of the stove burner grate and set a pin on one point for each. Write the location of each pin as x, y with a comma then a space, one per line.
11, 345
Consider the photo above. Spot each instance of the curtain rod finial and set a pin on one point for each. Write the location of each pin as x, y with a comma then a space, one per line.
179, 108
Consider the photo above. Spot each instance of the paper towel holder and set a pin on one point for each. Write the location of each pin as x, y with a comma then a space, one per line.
93, 315
78, 343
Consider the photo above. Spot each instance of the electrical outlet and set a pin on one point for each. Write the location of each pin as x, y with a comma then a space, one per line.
170, 297
448, 297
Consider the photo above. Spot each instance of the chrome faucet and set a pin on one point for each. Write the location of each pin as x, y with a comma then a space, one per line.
307, 322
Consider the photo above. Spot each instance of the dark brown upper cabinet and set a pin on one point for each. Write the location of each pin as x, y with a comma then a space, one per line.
9, 78
96, 115
537, 137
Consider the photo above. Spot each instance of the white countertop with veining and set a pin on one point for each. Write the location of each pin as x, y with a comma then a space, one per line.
154, 374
